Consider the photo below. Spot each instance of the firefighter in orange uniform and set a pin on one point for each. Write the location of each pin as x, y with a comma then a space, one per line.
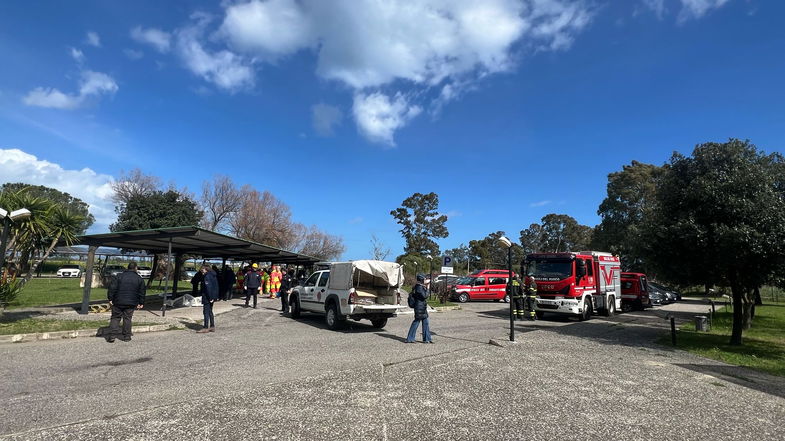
275, 281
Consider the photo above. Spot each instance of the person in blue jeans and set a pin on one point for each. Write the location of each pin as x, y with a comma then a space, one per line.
420, 294
210, 294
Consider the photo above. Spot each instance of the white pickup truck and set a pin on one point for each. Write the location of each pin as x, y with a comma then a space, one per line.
361, 289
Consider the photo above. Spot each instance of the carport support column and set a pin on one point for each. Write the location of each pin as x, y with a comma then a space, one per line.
88, 279
166, 278
176, 274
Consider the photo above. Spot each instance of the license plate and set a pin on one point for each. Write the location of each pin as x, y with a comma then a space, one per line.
549, 302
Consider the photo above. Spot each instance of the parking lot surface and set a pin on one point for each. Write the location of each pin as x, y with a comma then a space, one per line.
266, 376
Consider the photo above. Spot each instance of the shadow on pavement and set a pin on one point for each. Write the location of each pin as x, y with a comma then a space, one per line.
194, 326
740, 376
317, 321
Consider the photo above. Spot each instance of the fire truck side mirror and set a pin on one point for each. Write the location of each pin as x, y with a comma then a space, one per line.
580, 268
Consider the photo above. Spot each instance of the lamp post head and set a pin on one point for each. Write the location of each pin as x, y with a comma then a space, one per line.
20, 214
504, 241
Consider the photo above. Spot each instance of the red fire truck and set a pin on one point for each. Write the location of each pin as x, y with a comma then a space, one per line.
634, 292
576, 283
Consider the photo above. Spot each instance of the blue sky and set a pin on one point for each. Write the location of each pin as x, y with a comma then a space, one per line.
508, 109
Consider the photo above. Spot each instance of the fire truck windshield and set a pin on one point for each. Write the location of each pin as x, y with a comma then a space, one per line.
551, 269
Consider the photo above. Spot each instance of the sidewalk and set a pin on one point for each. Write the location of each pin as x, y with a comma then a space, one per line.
175, 318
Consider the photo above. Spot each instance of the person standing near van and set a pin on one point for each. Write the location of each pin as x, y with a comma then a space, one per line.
252, 283
210, 293
420, 306
287, 283
517, 298
126, 293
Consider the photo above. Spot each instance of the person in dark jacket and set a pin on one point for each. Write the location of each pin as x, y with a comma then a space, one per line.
420, 294
210, 294
227, 274
196, 282
220, 278
252, 283
126, 293
287, 283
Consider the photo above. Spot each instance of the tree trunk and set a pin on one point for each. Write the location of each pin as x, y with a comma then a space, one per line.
32, 268
758, 300
737, 329
707, 289
748, 305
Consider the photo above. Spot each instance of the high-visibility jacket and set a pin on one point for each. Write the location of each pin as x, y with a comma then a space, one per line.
530, 287
275, 279
240, 277
266, 281
516, 288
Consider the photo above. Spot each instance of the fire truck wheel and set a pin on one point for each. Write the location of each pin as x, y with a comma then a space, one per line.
586, 315
611, 309
626, 307
463, 297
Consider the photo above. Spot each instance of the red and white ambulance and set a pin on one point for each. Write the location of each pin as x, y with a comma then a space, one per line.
576, 283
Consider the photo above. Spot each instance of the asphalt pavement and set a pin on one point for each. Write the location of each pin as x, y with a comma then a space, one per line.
266, 376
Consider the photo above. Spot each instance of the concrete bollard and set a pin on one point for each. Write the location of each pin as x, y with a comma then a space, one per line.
701, 323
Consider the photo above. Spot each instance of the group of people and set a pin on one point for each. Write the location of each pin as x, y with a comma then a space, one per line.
127, 290
524, 297
271, 281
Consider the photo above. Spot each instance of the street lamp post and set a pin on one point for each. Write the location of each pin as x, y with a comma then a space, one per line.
7, 218
506, 242
430, 276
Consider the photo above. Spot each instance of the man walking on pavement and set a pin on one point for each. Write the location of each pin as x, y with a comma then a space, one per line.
252, 283
419, 294
126, 293
209, 296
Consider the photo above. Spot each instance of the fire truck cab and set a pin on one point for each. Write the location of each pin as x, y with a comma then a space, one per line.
634, 292
576, 283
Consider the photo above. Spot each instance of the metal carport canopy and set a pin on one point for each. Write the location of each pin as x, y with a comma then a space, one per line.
196, 241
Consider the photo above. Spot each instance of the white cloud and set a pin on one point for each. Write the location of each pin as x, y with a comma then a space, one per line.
539, 204
51, 98
225, 69
93, 39
694, 9
378, 117
325, 118
657, 6
77, 55
89, 186
133, 54
156, 38
93, 84
369, 44
271, 28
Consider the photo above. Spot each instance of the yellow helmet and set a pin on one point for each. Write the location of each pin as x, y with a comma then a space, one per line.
255, 265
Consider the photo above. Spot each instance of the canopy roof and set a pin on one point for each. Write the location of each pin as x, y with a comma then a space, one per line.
197, 241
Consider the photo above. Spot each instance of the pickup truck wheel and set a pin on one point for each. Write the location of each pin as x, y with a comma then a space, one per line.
379, 323
333, 317
294, 307
463, 297
611, 309
586, 315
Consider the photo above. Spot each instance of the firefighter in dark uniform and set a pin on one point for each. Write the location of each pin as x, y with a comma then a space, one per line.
517, 298
530, 290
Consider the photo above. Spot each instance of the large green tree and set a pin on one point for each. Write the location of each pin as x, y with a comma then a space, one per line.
157, 209
489, 253
421, 223
720, 217
556, 233
631, 194
73, 204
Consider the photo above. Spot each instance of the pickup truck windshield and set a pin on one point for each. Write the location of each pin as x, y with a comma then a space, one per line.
551, 269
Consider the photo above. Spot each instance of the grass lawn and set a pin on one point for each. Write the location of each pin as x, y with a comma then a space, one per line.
50, 291
764, 343
434, 301
32, 325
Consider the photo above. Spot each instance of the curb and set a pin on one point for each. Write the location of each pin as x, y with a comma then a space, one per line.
59, 335
446, 308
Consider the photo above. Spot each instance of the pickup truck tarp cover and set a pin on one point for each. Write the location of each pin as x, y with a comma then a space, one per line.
376, 273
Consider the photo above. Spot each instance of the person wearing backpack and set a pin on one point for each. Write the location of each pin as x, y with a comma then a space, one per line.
417, 301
